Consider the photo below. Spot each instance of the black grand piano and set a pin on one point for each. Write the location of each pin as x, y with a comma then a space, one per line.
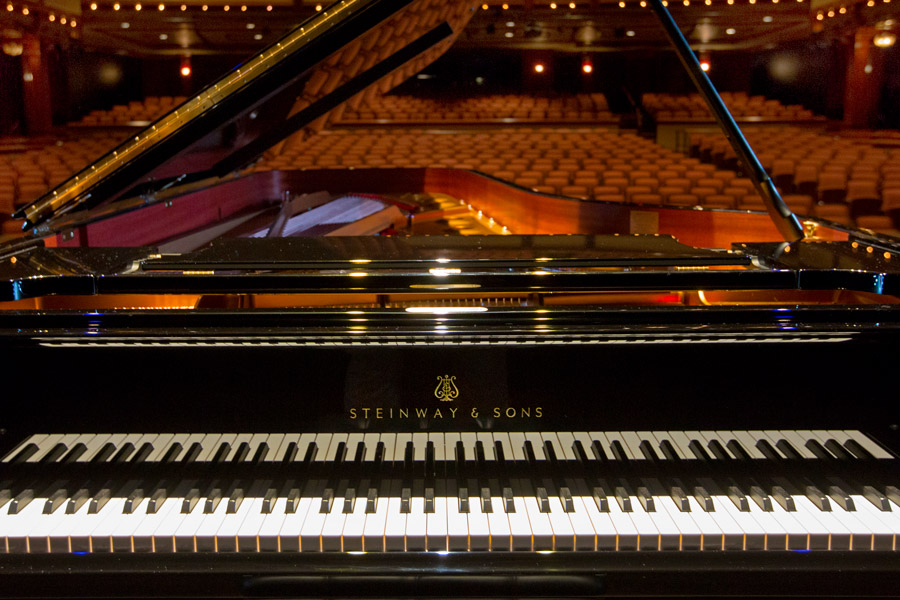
220, 381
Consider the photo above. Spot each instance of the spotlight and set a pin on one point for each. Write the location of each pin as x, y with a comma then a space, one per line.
704, 62
885, 39
538, 67
269, 8
186, 66
484, 7
117, 6
587, 67
138, 7
51, 18
553, 5
161, 7
183, 7
93, 6
62, 20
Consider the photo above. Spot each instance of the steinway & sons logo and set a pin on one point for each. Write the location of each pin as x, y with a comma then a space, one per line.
446, 391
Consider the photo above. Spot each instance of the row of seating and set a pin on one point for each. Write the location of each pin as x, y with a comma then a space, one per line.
411, 109
851, 178
149, 109
25, 176
692, 108
582, 163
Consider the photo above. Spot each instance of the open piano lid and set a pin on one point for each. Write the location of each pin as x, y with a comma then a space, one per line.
323, 62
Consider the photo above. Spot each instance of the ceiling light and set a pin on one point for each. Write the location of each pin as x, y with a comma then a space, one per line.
251, 25
62, 20
269, 8
505, 7
510, 24
51, 18
538, 68
226, 8
572, 5
630, 33
508, 34
161, 7
117, 6
843, 10
72, 23
553, 5
93, 6
10, 7
25, 11
885, 39
243, 8
731, 31
184, 7
643, 3
705, 66
125, 25
484, 7
318, 8
621, 5
205, 7
768, 19
163, 36
258, 36
138, 7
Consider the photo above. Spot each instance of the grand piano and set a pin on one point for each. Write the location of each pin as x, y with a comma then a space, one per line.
224, 381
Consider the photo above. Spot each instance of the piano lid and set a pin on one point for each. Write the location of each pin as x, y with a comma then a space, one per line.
340, 53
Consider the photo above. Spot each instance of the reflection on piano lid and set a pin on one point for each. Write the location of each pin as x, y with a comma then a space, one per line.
495, 392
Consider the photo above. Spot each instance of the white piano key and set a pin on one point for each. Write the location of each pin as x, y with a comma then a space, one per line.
866, 442
605, 534
669, 532
389, 440
323, 442
205, 535
278, 446
371, 440
143, 535
505, 444
373, 531
563, 532
517, 445
394, 526
648, 531
37, 439
519, 525
292, 526
689, 533
839, 536
420, 443
885, 525
267, 538
160, 446
748, 440
498, 524
708, 523
439, 449
797, 439
754, 536
487, 442
541, 530
400, 443
208, 446
537, 444
333, 528
468, 440
227, 533
566, 441
436, 525
121, 536
679, 442
354, 525
183, 536
632, 442
457, 526
163, 535
479, 528
416, 525
616, 436
15, 528
776, 532
628, 535
311, 531
585, 438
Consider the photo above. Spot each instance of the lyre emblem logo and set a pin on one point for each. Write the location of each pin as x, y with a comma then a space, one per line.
446, 389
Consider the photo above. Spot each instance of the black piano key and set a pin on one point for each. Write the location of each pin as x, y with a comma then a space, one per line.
268, 503
124, 453
597, 450
841, 497
235, 500
839, 451
193, 452
738, 451
738, 498
54, 454
349, 500
509, 504
55, 501
5, 496
292, 500
818, 498
222, 453
783, 498
241, 453
718, 450
212, 500
371, 499
761, 498
857, 450
77, 500
326, 500
543, 499
876, 498
20, 501
25, 453
768, 450
290, 453
171, 455
646, 499
623, 497
405, 497
892, 493
565, 496
156, 501
680, 497
486, 504
132, 501
819, 450
618, 452
601, 498
190, 500
462, 495
429, 500
788, 450
669, 451
99, 500
104, 454
261, 452
699, 451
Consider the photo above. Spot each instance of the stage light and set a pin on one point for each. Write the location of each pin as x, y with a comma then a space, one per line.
704, 62
484, 7
621, 5
843, 10
93, 6
10, 7
553, 5
730, 31
226, 8
138, 7
704, 66
72, 23
269, 8
62, 20
25, 11
186, 66
204, 8
572, 5
505, 6
538, 67
161, 7
586, 66
183, 7
243, 8
643, 3
117, 6
318, 8
51, 18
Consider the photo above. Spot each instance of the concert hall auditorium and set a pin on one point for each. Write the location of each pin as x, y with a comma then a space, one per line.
584, 100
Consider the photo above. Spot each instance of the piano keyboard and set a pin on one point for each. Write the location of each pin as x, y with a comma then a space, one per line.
450, 492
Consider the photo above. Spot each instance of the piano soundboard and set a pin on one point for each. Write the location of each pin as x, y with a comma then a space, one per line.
647, 491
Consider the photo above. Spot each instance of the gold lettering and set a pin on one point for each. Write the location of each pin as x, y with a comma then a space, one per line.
511, 413
404, 413
538, 412
438, 414
453, 413
421, 413
496, 412
379, 413
365, 413
474, 413
352, 413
